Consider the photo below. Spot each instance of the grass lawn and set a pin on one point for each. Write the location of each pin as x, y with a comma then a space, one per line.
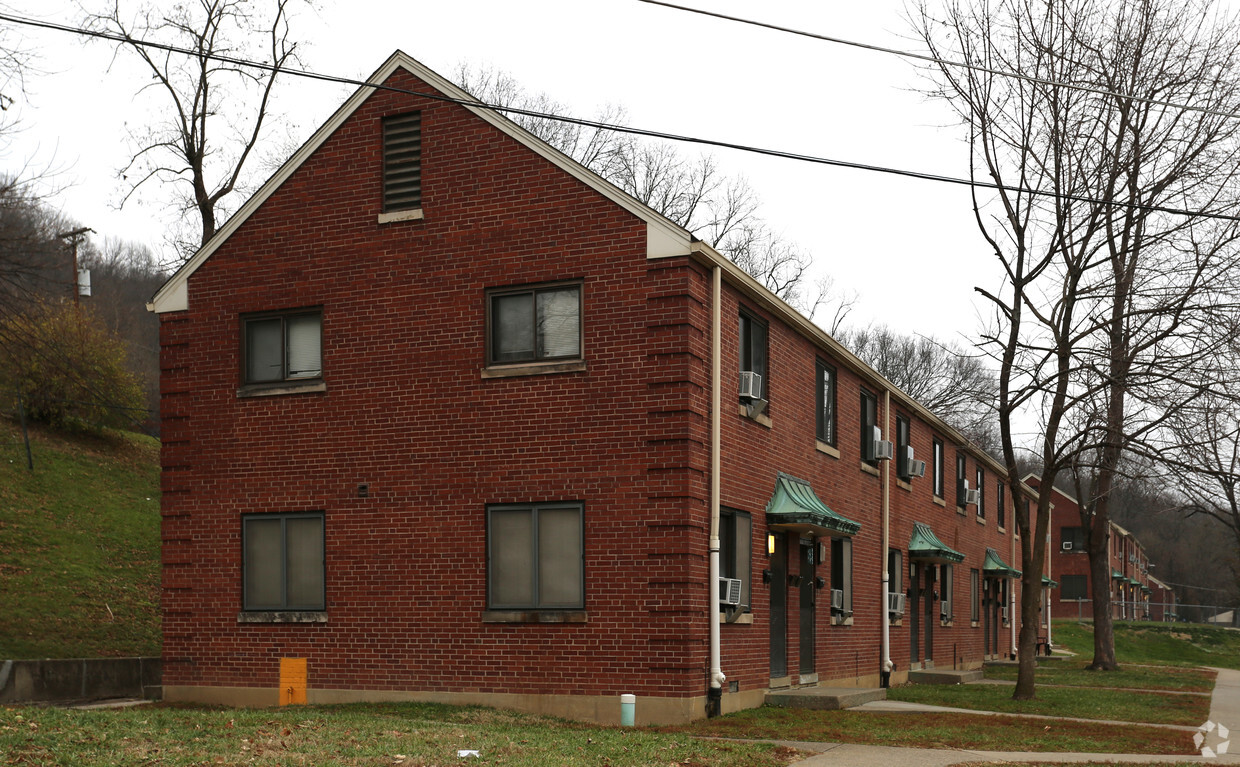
79, 546
1073, 674
1177, 644
1085, 703
399, 735
969, 731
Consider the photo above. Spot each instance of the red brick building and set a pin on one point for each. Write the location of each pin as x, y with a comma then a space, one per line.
1134, 594
451, 418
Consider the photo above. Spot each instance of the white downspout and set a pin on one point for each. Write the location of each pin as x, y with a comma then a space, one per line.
1012, 602
886, 500
1051, 576
716, 366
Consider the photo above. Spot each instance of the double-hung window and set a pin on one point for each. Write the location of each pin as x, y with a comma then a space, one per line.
735, 548
1074, 587
895, 575
534, 324
938, 467
975, 596
869, 420
1000, 506
904, 461
981, 494
841, 572
283, 561
962, 481
1072, 539
947, 593
826, 403
282, 346
535, 557
753, 351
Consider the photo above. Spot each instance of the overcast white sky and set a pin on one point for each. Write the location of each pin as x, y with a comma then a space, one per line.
908, 248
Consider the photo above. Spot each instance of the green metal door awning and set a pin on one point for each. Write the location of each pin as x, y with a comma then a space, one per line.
1047, 583
996, 566
926, 546
1117, 575
795, 508
1145, 588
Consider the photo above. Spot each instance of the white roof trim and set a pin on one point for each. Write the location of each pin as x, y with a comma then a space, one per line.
664, 237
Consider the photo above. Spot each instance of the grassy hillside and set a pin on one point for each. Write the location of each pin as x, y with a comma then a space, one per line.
1180, 644
79, 546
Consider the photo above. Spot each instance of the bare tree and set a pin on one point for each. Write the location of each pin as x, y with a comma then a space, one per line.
691, 191
949, 380
1096, 319
212, 112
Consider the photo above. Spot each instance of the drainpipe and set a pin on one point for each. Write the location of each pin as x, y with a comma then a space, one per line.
885, 675
714, 695
1048, 588
1012, 601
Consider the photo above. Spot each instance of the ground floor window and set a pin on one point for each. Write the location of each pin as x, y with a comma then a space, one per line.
283, 561
735, 547
946, 594
841, 574
1073, 587
535, 557
975, 596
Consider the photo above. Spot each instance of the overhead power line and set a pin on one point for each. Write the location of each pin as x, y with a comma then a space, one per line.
972, 183
948, 62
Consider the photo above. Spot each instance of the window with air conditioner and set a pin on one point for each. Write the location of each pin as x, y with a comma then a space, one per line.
753, 355
1072, 539
841, 574
947, 592
735, 550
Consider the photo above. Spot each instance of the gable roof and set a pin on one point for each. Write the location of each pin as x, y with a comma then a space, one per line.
664, 237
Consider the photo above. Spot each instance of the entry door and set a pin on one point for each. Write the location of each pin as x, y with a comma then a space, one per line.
807, 606
913, 613
931, 615
779, 608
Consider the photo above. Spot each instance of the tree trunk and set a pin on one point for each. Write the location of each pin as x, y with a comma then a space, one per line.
1100, 585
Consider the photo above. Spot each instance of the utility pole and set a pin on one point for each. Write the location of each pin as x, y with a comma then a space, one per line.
75, 237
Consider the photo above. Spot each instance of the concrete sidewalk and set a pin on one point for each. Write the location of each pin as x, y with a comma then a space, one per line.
1224, 710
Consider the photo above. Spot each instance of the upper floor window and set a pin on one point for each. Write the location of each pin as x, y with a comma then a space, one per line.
981, 493
533, 324
904, 457
283, 561
962, 481
826, 403
535, 557
1000, 507
753, 351
938, 467
402, 162
1072, 539
869, 421
284, 346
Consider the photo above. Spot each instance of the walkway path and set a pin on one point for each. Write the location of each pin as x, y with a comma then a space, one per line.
1224, 710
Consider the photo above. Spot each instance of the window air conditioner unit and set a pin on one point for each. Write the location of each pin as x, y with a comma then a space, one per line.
1132, 557
1067, 545
971, 497
730, 591
751, 384
1003, 613
837, 600
916, 469
895, 602
882, 450
945, 610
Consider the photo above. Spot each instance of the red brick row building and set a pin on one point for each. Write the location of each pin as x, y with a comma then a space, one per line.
1134, 593
449, 417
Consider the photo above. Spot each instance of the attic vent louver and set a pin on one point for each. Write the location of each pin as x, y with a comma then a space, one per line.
402, 162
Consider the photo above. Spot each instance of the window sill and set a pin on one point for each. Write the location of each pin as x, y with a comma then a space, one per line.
745, 619
975, 624
961, 510
281, 388
939, 501
759, 418
896, 623
413, 214
839, 620
534, 616
868, 469
980, 520
903, 485
823, 447
534, 369
282, 616
949, 623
